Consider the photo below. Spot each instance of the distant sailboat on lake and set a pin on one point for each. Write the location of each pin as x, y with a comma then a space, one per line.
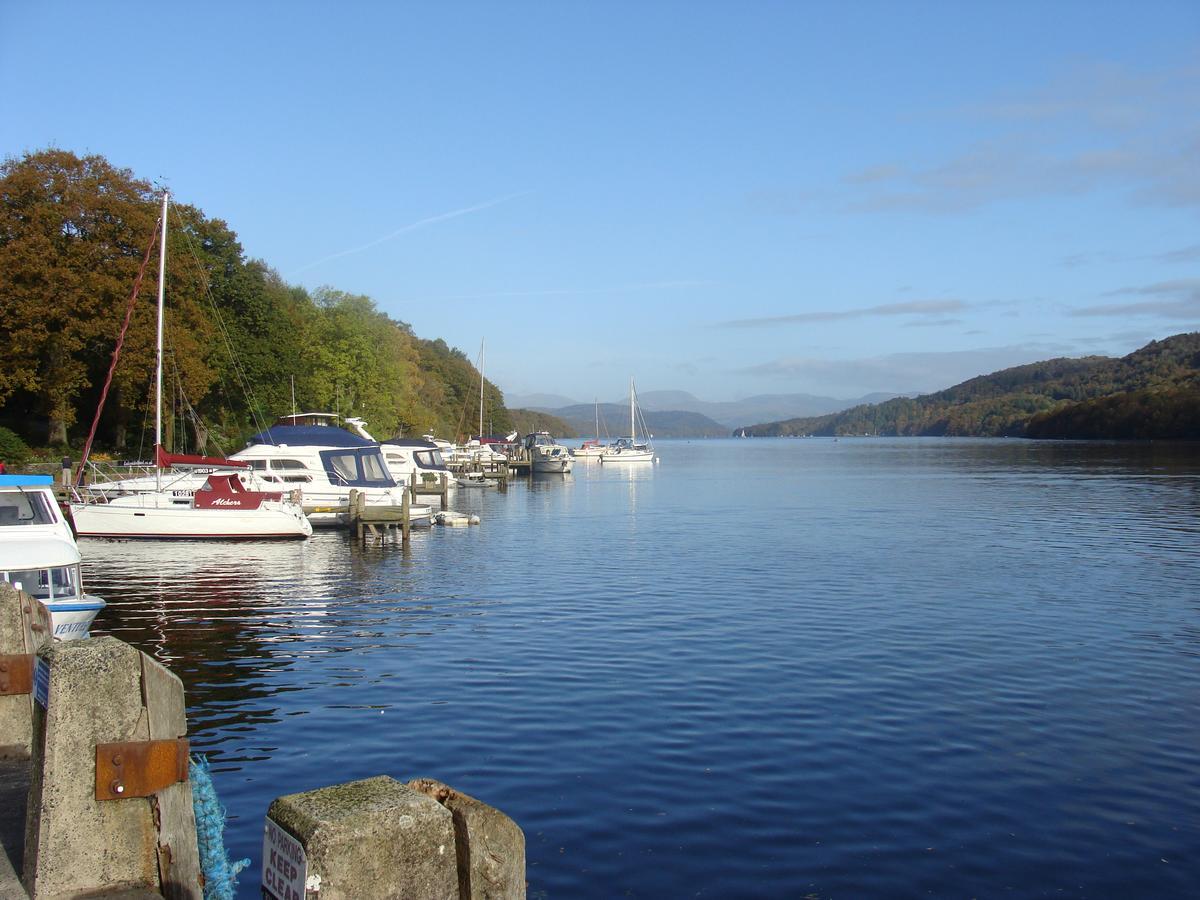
628, 449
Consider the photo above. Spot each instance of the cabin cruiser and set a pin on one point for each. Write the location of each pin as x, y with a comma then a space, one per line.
38, 554
413, 460
546, 454
312, 453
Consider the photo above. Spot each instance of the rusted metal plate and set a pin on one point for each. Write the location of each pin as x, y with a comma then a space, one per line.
139, 768
16, 674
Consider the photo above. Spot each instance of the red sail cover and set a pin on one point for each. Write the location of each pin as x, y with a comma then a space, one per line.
167, 460
226, 492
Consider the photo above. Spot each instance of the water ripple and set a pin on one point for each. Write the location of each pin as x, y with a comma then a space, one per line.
761, 668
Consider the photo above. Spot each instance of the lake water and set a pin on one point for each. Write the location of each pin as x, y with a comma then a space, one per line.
866, 667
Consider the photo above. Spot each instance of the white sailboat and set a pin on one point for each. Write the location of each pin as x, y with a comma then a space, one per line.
592, 449
628, 449
221, 507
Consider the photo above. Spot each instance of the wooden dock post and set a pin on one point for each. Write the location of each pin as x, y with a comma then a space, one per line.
405, 521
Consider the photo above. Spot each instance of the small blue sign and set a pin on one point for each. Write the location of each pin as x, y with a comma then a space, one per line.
41, 683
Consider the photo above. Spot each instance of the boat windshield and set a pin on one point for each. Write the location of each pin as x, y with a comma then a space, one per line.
429, 459
25, 508
57, 583
357, 467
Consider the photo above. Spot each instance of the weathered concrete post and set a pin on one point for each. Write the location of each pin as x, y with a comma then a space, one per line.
375, 838
490, 847
24, 628
109, 803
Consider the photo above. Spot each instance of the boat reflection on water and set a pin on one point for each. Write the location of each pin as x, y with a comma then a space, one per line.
242, 625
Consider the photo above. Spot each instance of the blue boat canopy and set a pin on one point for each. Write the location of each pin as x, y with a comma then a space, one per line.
308, 436
26, 480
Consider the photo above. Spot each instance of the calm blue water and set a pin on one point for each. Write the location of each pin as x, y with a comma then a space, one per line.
760, 668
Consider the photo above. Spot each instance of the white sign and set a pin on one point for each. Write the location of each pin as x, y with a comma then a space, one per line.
284, 867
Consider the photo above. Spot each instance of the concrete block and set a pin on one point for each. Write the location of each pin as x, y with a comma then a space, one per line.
375, 838
73, 843
490, 845
24, 628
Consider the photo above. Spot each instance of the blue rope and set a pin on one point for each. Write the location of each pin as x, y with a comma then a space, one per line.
220, 874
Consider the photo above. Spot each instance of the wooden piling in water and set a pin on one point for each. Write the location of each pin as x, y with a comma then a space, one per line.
439, 487
378, 522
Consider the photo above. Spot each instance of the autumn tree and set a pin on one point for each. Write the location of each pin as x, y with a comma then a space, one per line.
72, 235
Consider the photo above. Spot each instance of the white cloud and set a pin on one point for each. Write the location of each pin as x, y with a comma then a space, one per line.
911, 308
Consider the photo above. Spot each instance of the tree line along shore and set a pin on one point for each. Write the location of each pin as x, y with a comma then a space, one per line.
239, 339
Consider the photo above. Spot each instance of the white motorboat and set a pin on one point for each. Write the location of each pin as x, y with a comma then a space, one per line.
326, 462
414, 460
628, 449
213, 506
546, 455
38, 554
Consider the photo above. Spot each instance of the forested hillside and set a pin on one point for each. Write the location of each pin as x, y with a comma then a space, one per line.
1145, 394
527, 421
73, 233
614, 421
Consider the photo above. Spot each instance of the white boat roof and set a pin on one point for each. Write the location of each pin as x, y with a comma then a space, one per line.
28, 552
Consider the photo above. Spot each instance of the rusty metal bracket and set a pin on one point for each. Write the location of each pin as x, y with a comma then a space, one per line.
139, 768
16, 674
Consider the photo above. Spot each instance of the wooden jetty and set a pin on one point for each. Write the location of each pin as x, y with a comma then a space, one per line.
430, 485
380, 522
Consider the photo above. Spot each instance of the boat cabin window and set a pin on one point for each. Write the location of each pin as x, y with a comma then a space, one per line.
57, 583
292, 470
25, 508
342, 465
357, 468
429, 459
258, 465
374, 468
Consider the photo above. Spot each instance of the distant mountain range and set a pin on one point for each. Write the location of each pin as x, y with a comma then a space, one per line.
1153, 393
726, 415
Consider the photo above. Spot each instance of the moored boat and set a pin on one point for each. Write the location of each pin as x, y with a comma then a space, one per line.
218, 507
629, 449
326, 461
546, 455
39, 556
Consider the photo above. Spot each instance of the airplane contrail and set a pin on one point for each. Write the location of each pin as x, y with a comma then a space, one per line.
412, 226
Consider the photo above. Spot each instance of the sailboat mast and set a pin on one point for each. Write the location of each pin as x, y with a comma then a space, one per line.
158, 361
481, 346
632, 425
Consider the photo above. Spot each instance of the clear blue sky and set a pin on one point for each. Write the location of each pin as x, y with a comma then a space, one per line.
725, 198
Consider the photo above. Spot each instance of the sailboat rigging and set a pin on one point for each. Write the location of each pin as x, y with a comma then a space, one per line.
221, 508
628, 449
